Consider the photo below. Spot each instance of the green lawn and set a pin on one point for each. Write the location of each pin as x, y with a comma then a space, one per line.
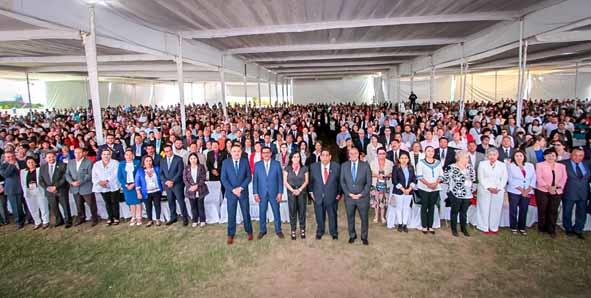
172, 261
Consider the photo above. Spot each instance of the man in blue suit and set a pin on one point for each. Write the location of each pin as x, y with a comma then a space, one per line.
268, 189
171, 175
12, 187
235, 179
576, 192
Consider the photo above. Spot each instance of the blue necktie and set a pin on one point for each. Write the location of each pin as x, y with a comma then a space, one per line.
354, 171
236, 167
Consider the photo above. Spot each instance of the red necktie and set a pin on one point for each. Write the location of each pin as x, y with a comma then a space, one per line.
325, 175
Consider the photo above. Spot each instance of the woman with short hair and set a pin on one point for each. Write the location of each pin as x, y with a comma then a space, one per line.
492, 180
149, 188
550, 180
429, 173
460, 177
126, 176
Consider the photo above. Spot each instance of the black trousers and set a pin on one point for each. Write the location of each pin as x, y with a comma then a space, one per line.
174, 195
518, 206
90, 199
323, 209
198, 209
428, 200
547, 211
3, 209
112, 204
459, 206
54, 210
153, 201
297, 210
361, 205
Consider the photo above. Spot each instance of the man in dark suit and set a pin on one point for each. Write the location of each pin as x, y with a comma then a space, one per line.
315, 155
267, 188
505, 150
361, 141
12, 187
116, 149
576, 193
446, 155
324, 189
52, 176
138, 148
395, 151
235, 177
355, 183
171, 173
151, 151
484, 144
386, 137
214, 162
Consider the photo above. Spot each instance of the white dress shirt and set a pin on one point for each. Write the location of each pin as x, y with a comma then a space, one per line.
108, 172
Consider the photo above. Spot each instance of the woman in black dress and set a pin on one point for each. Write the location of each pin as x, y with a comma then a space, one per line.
295, 179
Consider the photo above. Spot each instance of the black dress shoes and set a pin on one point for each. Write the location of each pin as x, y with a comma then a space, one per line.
185, 221
466, 234
68, 225
170, 222
352, 240
261, 235
318, 237
404, 229
280, 235
335, 237
455, 233
365, 242
580, 236
399, 228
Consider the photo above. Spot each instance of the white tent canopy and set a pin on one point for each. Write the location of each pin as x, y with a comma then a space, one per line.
320, 46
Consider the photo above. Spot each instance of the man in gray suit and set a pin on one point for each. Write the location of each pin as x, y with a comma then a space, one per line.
355, 183
475, 157
79, 176
52, 176
325, 191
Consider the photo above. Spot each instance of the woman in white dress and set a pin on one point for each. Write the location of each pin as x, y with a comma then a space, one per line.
492, 179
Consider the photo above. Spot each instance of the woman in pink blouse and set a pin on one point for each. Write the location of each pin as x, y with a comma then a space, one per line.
550, 181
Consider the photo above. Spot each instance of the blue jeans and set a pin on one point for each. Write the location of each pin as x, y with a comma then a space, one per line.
245, 208
580, 215
517, 217
265, 201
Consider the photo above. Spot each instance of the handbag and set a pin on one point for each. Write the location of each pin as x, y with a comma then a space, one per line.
416, 199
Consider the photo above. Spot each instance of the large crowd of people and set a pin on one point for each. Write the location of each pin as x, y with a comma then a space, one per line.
369, 156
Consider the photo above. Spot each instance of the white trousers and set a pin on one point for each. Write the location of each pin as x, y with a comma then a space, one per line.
403, 209
489, 208
37, 204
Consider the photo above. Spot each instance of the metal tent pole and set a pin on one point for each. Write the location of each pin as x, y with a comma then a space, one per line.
245, 89
89, 41
259, 84
29, 95
181, 83
223, 86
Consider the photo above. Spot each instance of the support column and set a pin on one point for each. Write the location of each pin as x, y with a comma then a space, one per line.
463, 70
245, 90
89, 40
31, 103
181, 83
223, 86
576, 79
269, 87
282, 90
432, 87
276, 89
522, 63
496, 78
259, 85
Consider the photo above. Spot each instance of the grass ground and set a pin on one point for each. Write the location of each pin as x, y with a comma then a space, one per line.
172, 261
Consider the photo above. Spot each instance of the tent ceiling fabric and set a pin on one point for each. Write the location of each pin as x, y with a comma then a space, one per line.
307, 32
